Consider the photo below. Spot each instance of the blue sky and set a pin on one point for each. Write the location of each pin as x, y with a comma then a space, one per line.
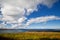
30, 15
45, 11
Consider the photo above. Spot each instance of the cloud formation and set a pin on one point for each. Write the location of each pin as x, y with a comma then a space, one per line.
14, 11
42, 19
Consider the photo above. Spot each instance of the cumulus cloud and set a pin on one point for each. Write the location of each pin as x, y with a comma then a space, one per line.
42, 19
14, 11
15, 7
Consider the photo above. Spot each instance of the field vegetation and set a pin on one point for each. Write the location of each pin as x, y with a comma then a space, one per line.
31, 36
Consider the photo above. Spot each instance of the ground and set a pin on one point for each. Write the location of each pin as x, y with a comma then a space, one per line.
30, 36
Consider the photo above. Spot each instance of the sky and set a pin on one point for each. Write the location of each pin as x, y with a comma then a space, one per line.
30, 14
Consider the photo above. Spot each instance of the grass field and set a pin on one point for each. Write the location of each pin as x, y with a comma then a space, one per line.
31, 36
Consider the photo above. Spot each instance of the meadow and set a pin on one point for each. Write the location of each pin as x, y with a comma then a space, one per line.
30, 36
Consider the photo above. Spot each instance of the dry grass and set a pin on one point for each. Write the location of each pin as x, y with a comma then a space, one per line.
32, 35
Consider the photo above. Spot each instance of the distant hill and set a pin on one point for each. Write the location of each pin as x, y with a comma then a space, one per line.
28, 30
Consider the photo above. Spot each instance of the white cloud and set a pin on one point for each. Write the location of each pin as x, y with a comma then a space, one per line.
49, 3
20, 20
42, 19
20, 23
15, 7
14, 11
2, 26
